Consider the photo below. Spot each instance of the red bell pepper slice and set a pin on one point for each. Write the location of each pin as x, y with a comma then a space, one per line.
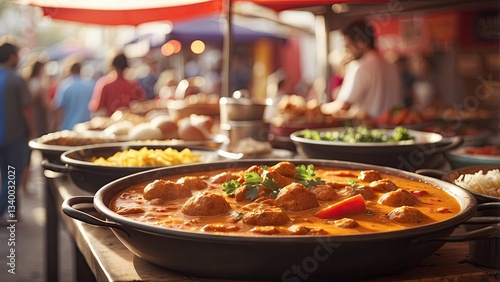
354, 204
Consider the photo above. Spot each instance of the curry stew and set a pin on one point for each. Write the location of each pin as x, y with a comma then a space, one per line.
285, 199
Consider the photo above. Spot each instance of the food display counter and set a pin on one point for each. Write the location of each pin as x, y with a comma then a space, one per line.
100, 254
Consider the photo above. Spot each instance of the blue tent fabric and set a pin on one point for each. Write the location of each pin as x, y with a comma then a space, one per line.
211, 29
208, 29
64, 49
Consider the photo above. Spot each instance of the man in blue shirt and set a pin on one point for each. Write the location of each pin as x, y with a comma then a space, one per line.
16, 128
72, 97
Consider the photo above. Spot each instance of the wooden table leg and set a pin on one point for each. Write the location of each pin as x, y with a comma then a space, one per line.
83, 271
51, 235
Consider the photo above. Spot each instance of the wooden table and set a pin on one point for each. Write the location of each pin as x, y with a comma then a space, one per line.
109, 260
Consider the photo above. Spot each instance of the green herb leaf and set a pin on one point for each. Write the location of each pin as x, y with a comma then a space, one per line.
252, 192
306, 176
253, 177
252, 185
230, 186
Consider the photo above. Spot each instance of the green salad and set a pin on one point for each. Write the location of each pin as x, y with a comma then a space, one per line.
358, 134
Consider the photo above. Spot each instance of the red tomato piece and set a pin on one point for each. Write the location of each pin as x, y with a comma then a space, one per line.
354, 204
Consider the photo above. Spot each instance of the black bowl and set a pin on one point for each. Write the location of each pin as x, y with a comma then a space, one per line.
425, 151
90, 176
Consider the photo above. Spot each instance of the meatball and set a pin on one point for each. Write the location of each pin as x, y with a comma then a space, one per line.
266, 230
407, 214
369, 175
296, 197
166, 190
304, 230
214, 227
324, 192
366, 191
286, 169
336, 185
398, 198
383, 185
346, 223
281, 181
255, 168
346, 192
266, 216
206, 204
224, 177
241, 193
193, 182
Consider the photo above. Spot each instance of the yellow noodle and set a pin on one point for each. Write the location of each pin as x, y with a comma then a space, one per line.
149, 157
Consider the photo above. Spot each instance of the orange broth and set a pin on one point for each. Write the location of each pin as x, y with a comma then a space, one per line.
431, 203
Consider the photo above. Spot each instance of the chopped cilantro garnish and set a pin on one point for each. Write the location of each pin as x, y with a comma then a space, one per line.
230, 186
307, 177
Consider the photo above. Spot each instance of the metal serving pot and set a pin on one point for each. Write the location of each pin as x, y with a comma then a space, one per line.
90, 177
52, 153
426, 151
286, 258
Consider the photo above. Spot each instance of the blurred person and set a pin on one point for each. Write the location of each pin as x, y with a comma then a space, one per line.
424, 87
371, 84
71, 93
408, 78
148, 81
38, 85
113, 91
16, 125
339, 59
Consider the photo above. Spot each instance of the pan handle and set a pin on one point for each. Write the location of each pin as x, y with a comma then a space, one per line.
56, 167
482, 233
485, 219
454, 142
436, 173
69, 210
492, 230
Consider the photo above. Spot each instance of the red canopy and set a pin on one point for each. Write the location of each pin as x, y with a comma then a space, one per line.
124, 12
281, 5
135, 12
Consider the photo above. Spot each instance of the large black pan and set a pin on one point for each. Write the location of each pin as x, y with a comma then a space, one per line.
90, 177
286, 258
